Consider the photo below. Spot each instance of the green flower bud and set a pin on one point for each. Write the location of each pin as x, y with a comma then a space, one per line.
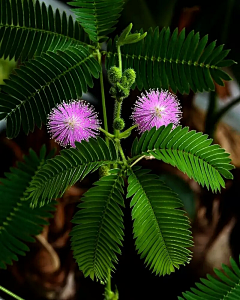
113, 91
103, 171
118, 124
122, 92
130, 75
114, 75
124, 82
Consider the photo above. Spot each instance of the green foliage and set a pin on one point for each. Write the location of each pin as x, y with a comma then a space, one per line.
6, 67
19, 222
66, 169
160, 228
28, 28
42, 83
127, 38
189, 151
177, 61
98, 235
97, 17
61, 61
225, 287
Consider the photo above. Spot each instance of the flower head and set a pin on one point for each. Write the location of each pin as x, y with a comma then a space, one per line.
156, 108
73, 122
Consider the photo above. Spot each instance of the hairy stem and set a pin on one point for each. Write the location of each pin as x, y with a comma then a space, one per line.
10, 293
117, 114
103, 97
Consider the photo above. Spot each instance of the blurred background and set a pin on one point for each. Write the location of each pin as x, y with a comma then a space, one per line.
48, 271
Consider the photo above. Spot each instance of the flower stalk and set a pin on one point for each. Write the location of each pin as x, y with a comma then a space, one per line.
105, 123
10, 293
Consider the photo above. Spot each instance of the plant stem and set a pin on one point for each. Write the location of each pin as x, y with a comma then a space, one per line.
122, 134
103, 96
117, 115
119, 57
106, 133
109, 280
137, 160
10, 293
121, 152
108, 286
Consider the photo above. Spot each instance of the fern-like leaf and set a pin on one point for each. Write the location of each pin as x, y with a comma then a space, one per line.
190, 151
161, 229
226, 287
18, 222
98, 235
177, 61
97, 17
66, 169
42, 83
28, 28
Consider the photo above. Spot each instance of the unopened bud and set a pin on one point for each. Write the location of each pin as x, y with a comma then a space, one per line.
122, 92
131, 76
114, 75
103, 171
118, 124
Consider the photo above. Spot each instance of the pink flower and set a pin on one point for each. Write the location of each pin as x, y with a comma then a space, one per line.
156, 109
73, 122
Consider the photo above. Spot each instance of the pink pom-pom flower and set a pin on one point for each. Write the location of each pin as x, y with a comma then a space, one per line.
73, 122
156, 108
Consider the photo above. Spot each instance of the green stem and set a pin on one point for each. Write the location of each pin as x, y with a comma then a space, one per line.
108, 287
111, 136
117, 114
124, 133
10, 293
103, 96
119, 57
121, 152
137, 160
109, 280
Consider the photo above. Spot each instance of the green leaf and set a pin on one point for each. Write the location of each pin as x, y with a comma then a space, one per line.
165, 60
18, 222
189, 151
66, 169
183, 190
225, 287
44, 82
160, 226
31, 29
97, 17
98, 235
124, 34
